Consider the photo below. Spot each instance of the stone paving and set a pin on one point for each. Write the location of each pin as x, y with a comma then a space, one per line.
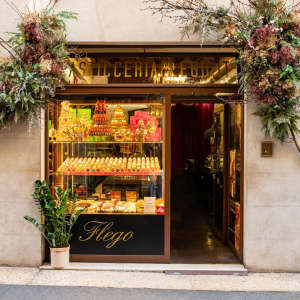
37, 292
274, 282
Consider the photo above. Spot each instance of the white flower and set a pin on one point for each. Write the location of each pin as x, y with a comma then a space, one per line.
226, 39
272, 21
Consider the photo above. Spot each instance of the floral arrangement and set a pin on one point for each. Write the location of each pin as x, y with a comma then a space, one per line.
35, 65
266, 34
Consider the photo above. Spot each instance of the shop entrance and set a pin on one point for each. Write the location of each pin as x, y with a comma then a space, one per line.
205, 177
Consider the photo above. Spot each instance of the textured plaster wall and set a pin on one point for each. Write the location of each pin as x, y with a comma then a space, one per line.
272, 203
20, 165
105, 21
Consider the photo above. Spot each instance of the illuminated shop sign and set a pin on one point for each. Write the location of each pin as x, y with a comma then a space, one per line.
200, 70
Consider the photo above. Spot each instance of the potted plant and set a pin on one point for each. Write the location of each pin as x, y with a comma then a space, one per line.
59, 218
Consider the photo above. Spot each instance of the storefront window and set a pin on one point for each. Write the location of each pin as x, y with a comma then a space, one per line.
235, 176
109, 150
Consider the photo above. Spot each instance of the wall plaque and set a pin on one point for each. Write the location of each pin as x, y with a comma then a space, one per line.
267, 149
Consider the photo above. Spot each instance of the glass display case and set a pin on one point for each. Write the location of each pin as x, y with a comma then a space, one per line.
111, 153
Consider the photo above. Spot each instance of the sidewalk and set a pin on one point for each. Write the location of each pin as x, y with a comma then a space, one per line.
273, 282
34, 292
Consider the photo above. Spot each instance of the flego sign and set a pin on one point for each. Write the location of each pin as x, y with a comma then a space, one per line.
111, 234
103, 231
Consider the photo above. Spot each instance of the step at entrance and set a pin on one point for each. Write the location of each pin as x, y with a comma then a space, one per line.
170, 269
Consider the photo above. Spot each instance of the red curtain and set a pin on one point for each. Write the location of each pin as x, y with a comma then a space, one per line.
188, 126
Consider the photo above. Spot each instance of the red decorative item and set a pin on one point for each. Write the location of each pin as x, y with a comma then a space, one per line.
160, 210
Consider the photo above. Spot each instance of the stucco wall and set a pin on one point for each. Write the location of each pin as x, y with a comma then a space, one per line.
20, 165
272, 204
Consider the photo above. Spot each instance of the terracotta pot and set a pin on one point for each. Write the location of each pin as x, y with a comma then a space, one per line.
60, 257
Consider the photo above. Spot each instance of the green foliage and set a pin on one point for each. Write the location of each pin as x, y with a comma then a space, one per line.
279, 120
36, 66
58, 218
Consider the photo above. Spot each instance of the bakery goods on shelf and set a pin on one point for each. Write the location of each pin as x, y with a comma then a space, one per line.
145, 127
85, 123
77, 131
114, 206
100, 121
64, 122
110, 165
118, 121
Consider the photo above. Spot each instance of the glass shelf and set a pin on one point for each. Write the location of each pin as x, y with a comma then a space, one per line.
118, 213
106, 174
106, 142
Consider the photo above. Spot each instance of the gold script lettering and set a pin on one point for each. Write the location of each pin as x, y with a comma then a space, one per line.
99, 230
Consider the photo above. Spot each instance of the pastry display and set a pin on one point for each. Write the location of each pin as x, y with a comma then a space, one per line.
80, 191
64, 122
107, 207
140, 132
151, 127
145, 127
131, 196
110, 165
85, 123
140, 206
129, 136
130, 207
100, 121
120, 207
118, 121
77, 130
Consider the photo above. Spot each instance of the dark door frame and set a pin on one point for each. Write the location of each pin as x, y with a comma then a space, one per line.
170, 91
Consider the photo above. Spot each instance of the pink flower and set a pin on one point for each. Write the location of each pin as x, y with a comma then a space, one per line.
255, 89
268, 99
286, 55
266, 32
274, 55
251, 43
32, 33
57, 66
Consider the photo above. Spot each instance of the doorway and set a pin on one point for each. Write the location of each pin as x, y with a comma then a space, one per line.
200, 184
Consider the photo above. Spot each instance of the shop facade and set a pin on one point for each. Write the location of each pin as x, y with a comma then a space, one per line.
268, 186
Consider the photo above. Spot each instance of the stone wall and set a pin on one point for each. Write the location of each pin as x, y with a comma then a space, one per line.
272, 203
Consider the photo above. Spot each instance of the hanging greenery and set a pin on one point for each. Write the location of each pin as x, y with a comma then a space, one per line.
36, 61
266, 35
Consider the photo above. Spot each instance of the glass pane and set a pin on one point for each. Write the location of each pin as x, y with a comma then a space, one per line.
108, 149
218, 164
235, 175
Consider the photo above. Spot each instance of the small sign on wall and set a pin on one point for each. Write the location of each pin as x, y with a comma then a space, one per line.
267, 149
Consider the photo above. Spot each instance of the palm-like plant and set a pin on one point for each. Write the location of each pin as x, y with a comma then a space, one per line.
59, 218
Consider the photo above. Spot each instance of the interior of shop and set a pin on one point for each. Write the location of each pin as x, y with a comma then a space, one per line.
197, 209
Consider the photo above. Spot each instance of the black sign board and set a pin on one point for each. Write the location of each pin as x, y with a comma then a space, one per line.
109, 234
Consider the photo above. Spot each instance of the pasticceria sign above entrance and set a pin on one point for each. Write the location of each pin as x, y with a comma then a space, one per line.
200, 70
